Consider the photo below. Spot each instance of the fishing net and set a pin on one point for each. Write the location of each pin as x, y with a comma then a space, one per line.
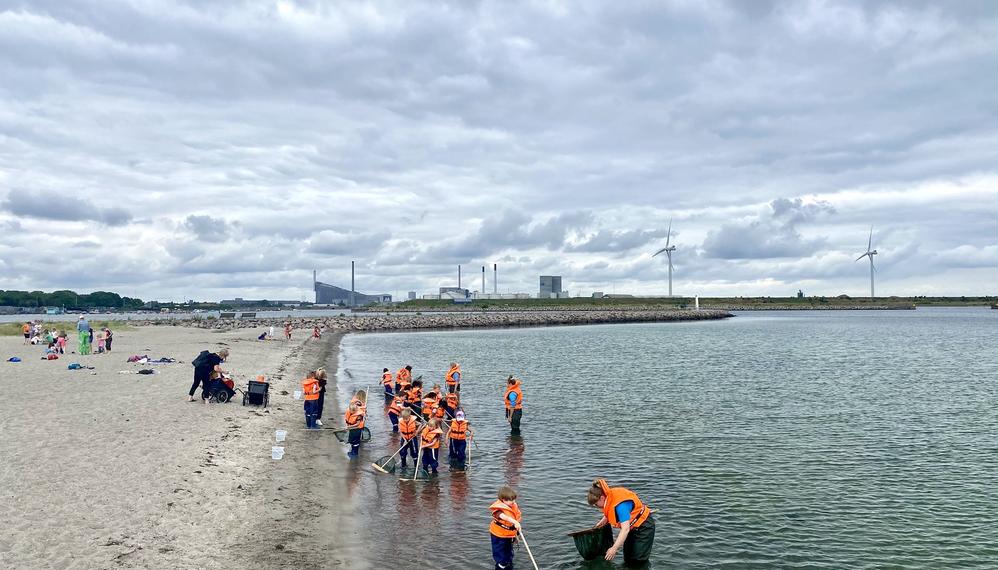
593, 543
410, 470
387, 463
344, 436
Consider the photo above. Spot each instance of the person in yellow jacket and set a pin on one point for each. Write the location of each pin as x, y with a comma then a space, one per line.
505, 527
622, 509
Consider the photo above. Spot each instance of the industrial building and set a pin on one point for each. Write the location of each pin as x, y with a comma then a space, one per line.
551, 288
326, 294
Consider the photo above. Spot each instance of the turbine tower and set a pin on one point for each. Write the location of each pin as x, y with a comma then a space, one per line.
668, 249
870, 252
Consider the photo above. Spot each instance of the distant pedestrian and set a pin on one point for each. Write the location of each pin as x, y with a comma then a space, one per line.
26, 330
287, 331
108, 335
100, 342
83, 329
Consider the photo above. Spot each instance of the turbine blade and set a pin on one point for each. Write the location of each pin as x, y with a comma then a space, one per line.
668, 236
869, 244
862, 256
659, 251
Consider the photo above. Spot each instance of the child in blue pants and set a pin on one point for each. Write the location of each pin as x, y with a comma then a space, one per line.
504, 528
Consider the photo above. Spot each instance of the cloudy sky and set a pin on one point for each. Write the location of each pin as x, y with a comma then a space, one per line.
210, 149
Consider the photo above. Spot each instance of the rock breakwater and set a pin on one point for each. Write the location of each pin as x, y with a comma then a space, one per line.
410, 322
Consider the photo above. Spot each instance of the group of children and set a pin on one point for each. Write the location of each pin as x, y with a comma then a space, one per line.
435, 411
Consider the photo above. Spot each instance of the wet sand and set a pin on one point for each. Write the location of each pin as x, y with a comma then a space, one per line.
107, 470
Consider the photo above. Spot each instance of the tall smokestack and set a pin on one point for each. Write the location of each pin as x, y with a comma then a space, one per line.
495, 278
458, 276
353, 302
483, 280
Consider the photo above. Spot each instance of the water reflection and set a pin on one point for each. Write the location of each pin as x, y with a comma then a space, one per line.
512, 463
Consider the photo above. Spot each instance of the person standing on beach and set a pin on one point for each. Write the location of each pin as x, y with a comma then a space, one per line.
310, 388
204, 365
108, 336
454, 378
354, 419
623, 510
287, 331
514, 404
26, 330
83, 328
320, 375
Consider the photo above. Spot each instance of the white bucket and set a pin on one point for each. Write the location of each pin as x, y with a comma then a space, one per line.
276, 452
280, 435
297, 394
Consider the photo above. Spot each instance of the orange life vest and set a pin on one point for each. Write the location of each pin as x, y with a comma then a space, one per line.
452, 400
310, 387
430, 439
359, 402
25, 329
414, 395
396, 406
459, 429
617, 495
428, 402
354, 420
408, 428
386, 379
453, 376
500, 527
514, 389
403, 377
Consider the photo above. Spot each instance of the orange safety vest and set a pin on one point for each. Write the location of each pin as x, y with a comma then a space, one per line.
617, 495
354, 420
430, 438
428, 402
386, 378
500, 527
396, 406
514, 389
452, 401
459, 429
408, 428
25, 329
414, 395
310, 387
453, 376
403, 377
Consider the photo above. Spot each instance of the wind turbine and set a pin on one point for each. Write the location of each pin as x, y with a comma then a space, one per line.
668, 249
870, 252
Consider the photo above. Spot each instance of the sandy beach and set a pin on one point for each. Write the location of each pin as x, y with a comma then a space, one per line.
108, 470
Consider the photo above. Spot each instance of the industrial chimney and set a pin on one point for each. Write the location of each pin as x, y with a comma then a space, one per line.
353, 302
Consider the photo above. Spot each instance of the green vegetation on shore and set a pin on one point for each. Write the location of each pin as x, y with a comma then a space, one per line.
14, 329
587, 303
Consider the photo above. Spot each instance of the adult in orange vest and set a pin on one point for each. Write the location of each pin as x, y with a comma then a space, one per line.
408, 428
387, 381
623, 509
504, 528
514, 404
429, 441
354, 419
458, 437
310, 388
403, 378
453, 378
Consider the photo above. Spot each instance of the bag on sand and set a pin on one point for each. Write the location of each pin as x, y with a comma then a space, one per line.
75, 366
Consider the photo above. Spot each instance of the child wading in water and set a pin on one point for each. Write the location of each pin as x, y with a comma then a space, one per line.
430, 442
504, 528
408, 427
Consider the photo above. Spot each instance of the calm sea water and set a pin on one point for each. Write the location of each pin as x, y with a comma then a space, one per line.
821, 440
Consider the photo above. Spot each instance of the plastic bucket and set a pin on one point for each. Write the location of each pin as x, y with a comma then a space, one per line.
297, 394
276, 452
280, 434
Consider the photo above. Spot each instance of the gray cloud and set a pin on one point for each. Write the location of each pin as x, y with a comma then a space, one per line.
207, 228
772, 234
52, 206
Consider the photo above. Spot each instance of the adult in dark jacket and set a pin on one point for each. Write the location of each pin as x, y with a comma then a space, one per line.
320, 375
204, 364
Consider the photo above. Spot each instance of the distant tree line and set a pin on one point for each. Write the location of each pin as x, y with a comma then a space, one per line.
68, 300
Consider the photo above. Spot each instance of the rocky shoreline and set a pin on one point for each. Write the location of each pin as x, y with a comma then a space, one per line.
467, 320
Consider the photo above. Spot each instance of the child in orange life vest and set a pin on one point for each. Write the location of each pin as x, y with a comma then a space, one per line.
429, 440
403, 379
504, 528
386, 381
408, 427
458, 437
310, 388
394, 410
514, 404
354, 418
360, 398
414, 397
451, 402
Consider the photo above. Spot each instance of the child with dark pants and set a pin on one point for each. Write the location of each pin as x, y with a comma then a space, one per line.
354, 419
504, 528
407, 427
430, 443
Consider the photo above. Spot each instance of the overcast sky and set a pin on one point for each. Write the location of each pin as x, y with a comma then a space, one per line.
212, 149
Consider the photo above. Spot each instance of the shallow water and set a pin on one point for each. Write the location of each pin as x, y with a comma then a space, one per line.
804, 439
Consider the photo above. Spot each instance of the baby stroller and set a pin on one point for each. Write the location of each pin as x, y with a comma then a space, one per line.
221, 389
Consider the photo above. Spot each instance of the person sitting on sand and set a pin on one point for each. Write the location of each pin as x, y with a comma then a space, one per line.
263, 336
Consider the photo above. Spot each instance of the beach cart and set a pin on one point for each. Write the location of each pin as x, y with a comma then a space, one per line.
257, 393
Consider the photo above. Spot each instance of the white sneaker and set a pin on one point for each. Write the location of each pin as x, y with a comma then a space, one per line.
318, 423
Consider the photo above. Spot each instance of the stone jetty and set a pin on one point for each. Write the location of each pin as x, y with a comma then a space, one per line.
411, 322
